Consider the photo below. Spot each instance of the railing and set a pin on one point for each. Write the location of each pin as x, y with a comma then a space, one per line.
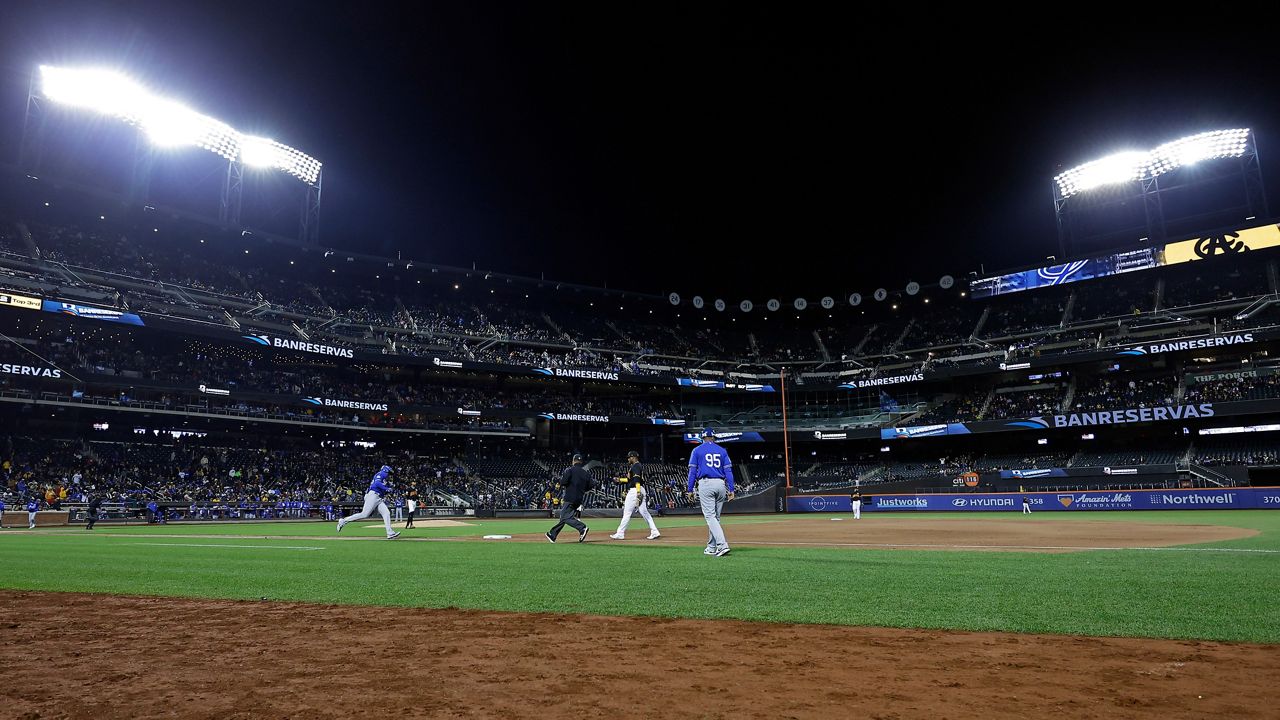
216, 301
1210, 476
188, 410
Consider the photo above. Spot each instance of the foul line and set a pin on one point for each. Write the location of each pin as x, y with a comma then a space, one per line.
1009, 547
218, 545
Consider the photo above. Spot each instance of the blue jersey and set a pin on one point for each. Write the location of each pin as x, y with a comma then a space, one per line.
709, 460
33, 506
378, 484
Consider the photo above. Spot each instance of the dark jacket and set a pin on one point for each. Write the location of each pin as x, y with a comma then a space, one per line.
576, 482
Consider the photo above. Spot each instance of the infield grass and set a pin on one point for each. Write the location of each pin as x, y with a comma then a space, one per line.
1172, 594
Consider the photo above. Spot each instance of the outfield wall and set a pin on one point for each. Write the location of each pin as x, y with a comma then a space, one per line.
1237, 498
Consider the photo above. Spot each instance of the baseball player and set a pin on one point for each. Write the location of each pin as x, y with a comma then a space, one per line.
1026, 505
635, 500
33, 506
373, 501
1, 513
412, 502
712, 471
577, 483
856, 501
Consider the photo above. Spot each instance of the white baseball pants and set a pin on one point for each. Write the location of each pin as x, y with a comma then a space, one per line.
635, 501
372, 501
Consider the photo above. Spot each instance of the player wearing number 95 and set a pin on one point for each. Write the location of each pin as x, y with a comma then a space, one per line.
711, 469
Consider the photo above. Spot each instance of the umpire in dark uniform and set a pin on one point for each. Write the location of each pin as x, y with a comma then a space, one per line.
577, 483
95, 503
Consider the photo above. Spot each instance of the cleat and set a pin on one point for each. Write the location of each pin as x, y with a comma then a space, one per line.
616, 536
340, 524
722, 551
654, 536
582, 536
393, 536
549, 536
709, 551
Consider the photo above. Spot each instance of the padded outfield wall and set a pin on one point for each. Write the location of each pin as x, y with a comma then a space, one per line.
1238, 498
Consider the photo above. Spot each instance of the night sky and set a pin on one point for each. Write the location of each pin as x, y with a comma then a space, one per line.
735, 149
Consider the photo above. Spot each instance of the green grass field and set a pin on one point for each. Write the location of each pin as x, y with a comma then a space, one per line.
1190, 593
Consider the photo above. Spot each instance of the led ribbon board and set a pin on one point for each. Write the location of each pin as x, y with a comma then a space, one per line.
1176, 253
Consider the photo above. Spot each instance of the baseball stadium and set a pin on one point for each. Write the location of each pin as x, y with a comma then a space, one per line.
252, 470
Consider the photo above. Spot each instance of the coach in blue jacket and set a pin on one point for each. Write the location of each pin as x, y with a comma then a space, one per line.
711, 469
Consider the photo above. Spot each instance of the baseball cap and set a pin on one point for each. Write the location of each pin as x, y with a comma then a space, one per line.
577, 457
708, 432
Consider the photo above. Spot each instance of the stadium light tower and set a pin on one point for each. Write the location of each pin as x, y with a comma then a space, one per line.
1130, 174
166, 123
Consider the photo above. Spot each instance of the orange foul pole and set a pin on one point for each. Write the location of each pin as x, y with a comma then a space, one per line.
786, 442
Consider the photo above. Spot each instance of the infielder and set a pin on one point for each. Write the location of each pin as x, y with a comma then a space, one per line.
635, 500
711, 469
373, 501
1026, 505
856, 501
412, 502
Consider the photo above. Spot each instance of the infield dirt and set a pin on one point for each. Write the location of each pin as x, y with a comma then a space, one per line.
106, 657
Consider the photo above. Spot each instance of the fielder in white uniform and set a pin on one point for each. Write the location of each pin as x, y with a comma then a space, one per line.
373, 501
636, 500
856, 501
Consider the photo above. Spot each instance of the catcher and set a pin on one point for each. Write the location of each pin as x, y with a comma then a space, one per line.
636, 497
